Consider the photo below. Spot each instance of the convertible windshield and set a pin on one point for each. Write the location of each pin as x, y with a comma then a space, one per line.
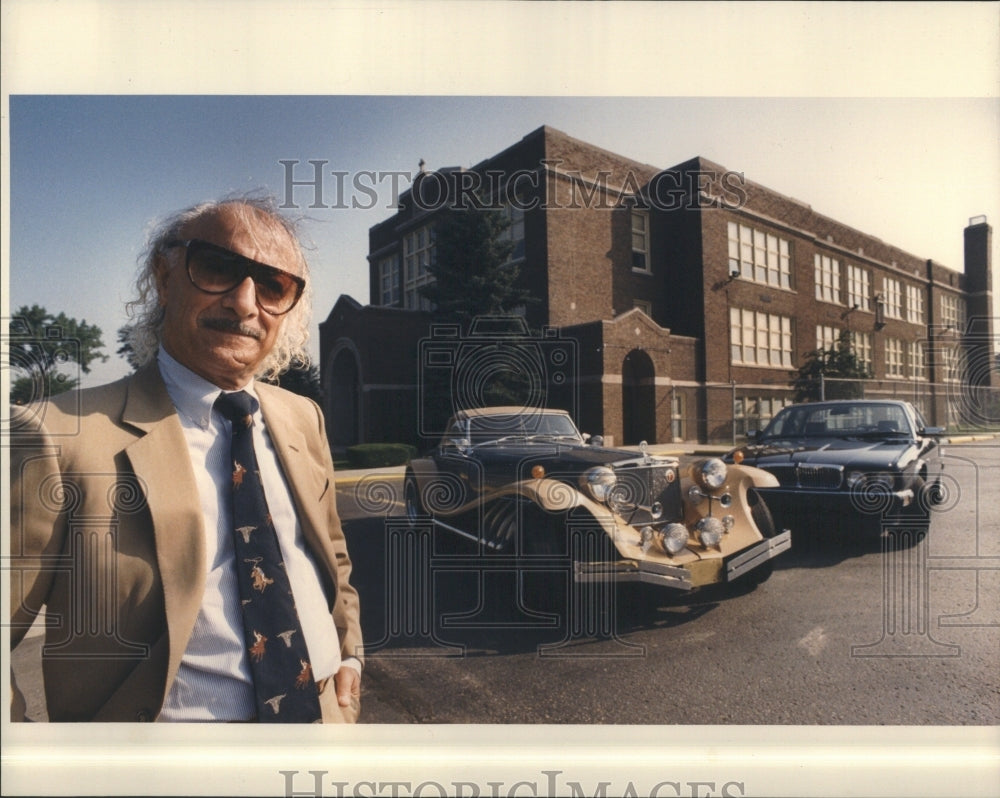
840, 420
492, 428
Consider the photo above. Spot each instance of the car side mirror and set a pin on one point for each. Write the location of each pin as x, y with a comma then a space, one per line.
753, 435
593, 440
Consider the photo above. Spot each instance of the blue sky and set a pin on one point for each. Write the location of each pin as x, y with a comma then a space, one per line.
88, 173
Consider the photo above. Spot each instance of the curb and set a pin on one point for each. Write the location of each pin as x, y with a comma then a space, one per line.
970, 438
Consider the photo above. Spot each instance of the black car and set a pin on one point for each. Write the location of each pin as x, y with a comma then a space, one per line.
525, 484
874, 463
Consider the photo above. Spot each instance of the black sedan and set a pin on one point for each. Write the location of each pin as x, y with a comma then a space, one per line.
870, 463
525, 485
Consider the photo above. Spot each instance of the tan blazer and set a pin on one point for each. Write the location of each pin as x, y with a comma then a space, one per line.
107, 535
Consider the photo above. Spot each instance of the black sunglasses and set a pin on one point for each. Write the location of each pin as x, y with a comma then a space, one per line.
217, 270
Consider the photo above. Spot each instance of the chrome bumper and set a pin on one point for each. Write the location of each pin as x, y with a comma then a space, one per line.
676, 577
757, 555
633, 571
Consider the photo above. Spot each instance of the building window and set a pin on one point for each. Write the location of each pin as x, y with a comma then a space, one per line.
418, 254
758, 256
893, 357
914, 304
677, 416
755, 412
861, 345
827, 337
859, 287
827, 271
643, 305
953, 312
515, 231
918, 368
640, 241
760, 339
892, 295
951, 364
388, 279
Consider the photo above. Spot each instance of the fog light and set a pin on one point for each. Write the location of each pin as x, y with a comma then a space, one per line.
675, 538
728, 522
710, 531
646, 535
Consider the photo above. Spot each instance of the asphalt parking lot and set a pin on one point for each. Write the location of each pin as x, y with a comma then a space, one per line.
846, 632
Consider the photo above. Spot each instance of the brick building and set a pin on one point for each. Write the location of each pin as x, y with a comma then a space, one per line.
673, 304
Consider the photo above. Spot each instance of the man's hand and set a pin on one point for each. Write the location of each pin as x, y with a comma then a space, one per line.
348, 683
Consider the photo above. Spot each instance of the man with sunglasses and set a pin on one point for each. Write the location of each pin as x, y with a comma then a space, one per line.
125, 503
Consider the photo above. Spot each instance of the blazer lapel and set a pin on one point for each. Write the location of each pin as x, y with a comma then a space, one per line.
306, 481
161, 462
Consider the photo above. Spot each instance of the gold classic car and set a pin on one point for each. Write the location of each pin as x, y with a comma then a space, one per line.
525, 484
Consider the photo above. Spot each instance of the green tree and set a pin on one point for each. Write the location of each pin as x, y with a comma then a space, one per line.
303, 380
472, 270
837, 369
43, 350
475, 280
125, 347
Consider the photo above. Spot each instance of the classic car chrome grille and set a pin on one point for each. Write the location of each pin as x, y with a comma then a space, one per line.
645, 485
808, 476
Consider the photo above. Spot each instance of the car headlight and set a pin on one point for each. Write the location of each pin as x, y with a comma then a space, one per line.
710, 531
710, 474
861, 479
675, 538
599, 482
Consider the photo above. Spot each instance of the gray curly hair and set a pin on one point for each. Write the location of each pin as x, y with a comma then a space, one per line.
145, 331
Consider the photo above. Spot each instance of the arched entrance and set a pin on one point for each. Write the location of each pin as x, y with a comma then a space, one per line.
343, 408
638, 398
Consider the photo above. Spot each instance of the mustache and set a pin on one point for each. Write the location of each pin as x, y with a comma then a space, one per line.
231, 326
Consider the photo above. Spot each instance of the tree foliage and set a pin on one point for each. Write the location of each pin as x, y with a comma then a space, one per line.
476, 283
472, 270
48, 352
833, 373
303, 380
125, 347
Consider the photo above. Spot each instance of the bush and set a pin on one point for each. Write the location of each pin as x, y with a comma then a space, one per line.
380, 455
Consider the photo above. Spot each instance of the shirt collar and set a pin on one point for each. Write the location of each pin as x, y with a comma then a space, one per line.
192, 395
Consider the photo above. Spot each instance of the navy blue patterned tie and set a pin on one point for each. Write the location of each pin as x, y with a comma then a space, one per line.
279, 660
